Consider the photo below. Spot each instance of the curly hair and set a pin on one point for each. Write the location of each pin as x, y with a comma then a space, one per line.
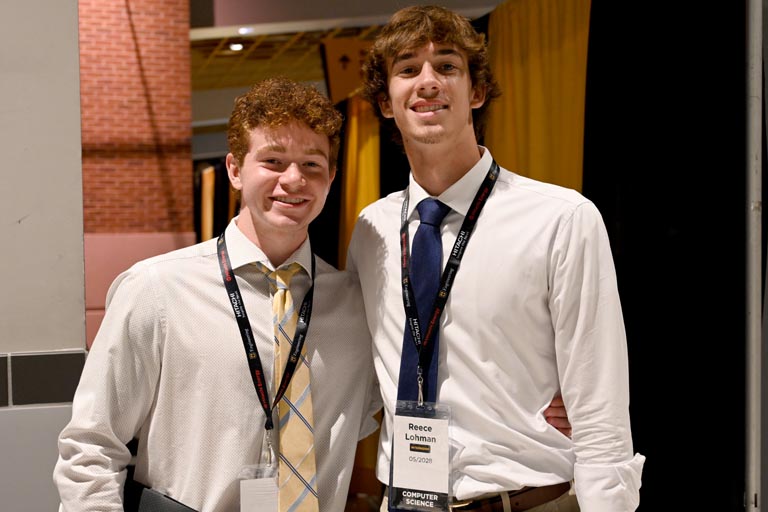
276, 102
414, 27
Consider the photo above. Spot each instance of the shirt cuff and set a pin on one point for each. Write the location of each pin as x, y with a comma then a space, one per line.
611, 487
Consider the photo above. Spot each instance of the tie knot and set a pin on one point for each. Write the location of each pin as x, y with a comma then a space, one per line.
432, 211
280, 279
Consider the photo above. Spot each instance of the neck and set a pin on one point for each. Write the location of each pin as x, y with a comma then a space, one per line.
277, 245
436, 167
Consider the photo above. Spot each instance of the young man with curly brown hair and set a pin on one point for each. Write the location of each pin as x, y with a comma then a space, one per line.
525, 310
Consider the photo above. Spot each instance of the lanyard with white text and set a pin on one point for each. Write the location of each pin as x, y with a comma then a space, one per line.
254, 361
447, 278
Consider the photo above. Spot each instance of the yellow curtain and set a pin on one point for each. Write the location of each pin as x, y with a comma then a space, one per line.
538, 52
361, 168
207, 198
359, 188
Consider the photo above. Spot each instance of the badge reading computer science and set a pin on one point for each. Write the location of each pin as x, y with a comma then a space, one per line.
420, 463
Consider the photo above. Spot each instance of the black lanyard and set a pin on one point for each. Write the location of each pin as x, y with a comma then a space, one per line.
449, 272
254, 361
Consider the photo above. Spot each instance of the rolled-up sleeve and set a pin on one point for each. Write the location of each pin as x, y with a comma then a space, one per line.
609, 487
592, 363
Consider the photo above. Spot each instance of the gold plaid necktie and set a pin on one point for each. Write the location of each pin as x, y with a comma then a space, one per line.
297, 474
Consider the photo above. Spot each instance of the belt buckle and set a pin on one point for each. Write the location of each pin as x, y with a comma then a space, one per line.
459, 504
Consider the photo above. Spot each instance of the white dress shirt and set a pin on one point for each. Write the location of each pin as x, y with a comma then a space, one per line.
168, 365
534, 312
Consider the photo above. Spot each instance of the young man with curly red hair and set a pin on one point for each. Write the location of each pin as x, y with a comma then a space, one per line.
173, 364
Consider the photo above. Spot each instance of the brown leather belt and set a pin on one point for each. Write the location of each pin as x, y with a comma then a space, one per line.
519, 501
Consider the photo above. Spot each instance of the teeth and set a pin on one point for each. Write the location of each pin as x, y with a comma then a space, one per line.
428, 108
290, 200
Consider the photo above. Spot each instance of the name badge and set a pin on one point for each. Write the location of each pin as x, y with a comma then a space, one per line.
420, 462
258, 495
258, 484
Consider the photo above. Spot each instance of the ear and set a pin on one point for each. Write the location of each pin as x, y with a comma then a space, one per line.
233, 171
477, 99
331, 176
385, 105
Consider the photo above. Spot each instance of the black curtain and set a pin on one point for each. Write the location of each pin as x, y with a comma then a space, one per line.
665, 163
324, 230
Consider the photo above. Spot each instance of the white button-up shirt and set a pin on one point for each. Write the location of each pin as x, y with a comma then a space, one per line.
168, 365
534, 312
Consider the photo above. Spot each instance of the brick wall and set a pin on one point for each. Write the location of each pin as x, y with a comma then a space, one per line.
136, 116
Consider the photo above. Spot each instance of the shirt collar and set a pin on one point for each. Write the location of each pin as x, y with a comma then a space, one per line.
244, 252
458, 196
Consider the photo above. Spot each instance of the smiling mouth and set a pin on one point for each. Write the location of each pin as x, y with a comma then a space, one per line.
289, 200
429, 108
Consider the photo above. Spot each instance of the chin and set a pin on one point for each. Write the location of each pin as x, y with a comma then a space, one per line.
428, 138
286, 223
291, 224
435, 136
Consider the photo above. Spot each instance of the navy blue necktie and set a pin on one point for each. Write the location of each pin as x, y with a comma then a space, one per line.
426, 259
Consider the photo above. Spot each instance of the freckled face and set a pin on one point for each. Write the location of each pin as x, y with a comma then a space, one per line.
431, 95
284, 178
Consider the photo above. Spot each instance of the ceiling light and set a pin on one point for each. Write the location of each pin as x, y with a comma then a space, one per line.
245, 31
235, 47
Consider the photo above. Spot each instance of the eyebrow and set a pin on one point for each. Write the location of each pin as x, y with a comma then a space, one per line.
271, 147
317, 151
279, 148
408, 54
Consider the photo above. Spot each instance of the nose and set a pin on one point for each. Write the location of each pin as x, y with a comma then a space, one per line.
428, 81
292, 178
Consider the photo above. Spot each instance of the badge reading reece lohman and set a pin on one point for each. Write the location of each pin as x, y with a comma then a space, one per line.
420, 467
